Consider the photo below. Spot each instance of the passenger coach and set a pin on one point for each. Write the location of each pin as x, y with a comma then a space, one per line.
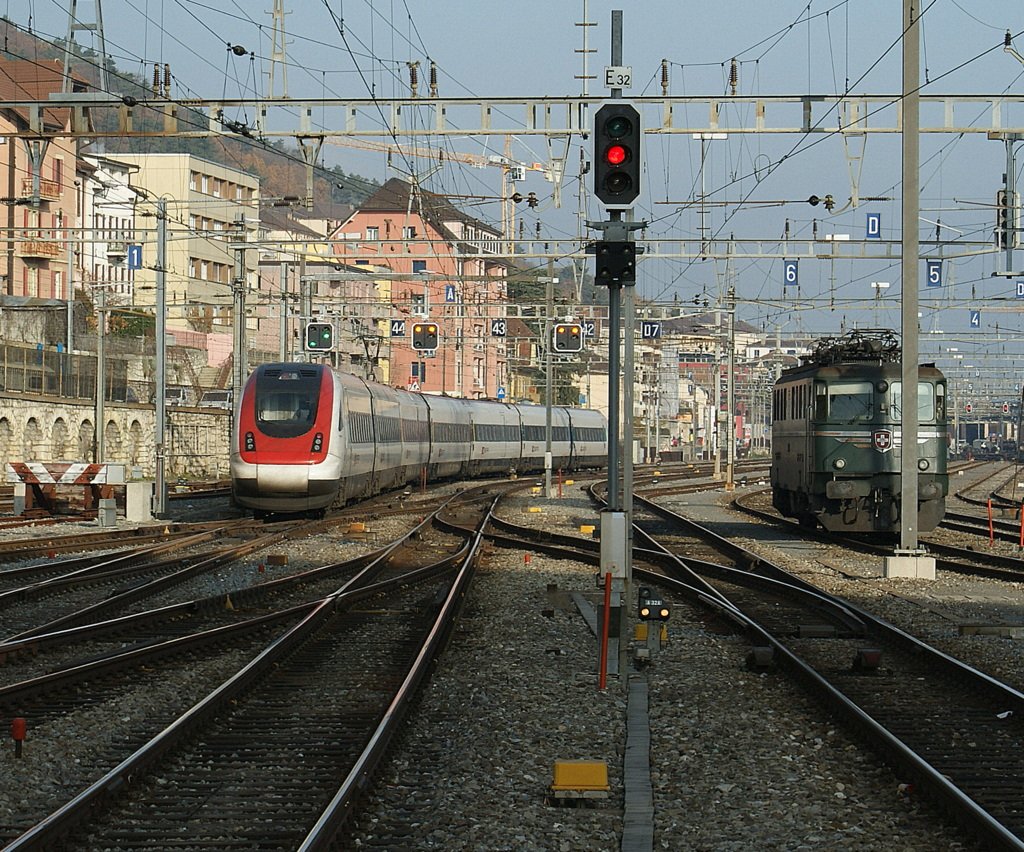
307, 436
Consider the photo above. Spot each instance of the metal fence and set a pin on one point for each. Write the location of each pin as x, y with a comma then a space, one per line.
24, 369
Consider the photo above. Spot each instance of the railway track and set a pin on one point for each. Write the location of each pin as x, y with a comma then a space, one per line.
952, 731
259, 759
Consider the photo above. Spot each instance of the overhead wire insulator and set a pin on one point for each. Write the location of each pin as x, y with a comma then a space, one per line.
167, 80
414, 76
433, 79
664, 78
734, 76
156, 79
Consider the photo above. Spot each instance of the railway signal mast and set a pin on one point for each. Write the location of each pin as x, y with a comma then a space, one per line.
617, 169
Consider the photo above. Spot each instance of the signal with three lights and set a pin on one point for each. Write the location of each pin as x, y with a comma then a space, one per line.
617, 158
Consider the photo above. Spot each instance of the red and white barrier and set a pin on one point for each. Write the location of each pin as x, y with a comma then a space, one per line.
65, 473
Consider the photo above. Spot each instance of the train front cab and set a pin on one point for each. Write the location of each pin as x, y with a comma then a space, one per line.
854, 481
283, 451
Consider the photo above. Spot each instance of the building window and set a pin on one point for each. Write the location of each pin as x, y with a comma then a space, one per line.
205, 184
419, 266
204, 270
372, 232
192, 180
409, 232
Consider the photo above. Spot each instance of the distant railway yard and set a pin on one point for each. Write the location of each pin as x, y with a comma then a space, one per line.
423, 671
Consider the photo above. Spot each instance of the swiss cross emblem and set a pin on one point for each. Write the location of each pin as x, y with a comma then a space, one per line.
882, 439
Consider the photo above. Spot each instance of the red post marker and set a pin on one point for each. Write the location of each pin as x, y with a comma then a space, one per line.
559, 483
991, 529
526, 558
18, 727
260, 568
602, 678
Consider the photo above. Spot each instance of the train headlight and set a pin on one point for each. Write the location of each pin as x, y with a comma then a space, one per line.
881, 386
922, 464
250, 442
839, 464
318, 442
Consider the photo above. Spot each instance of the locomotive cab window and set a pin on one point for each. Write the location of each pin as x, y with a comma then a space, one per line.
850, 401
286, 403
931, 401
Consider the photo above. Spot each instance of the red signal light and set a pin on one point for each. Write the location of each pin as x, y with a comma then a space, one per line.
616, 155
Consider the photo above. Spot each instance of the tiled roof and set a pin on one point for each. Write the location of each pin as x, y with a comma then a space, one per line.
393, 196
32, 81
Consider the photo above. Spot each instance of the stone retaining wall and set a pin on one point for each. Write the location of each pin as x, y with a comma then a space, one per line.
42, 428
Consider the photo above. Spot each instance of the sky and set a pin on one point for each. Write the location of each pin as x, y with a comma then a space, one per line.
483, 48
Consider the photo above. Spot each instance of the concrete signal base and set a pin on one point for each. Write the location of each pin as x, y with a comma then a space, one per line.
914, 564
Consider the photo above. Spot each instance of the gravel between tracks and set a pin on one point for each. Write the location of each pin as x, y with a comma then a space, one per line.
740, 760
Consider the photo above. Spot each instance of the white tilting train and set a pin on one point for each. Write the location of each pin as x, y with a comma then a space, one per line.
307, 437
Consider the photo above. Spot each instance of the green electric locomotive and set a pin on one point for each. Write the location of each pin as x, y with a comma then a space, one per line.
837, 439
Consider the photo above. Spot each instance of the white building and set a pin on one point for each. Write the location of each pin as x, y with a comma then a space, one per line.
106, 211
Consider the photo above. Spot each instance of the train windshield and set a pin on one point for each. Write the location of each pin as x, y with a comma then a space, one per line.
931, 401
849, 401
286, 402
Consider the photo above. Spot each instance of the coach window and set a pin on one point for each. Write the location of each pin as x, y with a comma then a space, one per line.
849, 401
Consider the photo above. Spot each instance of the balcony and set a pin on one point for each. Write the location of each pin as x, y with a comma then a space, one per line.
39, 249
49, 190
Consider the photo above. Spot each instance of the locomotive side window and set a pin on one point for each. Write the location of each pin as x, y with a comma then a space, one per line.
820, 401
930, 405
849, 401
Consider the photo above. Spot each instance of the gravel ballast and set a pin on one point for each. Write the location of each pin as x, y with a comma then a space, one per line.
740, 760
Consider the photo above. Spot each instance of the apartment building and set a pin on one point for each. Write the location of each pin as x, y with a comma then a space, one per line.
38, 184
443, 265
209, 207
105, 211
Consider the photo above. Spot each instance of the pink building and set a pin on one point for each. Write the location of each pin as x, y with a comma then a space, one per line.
38, 184
443, 266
